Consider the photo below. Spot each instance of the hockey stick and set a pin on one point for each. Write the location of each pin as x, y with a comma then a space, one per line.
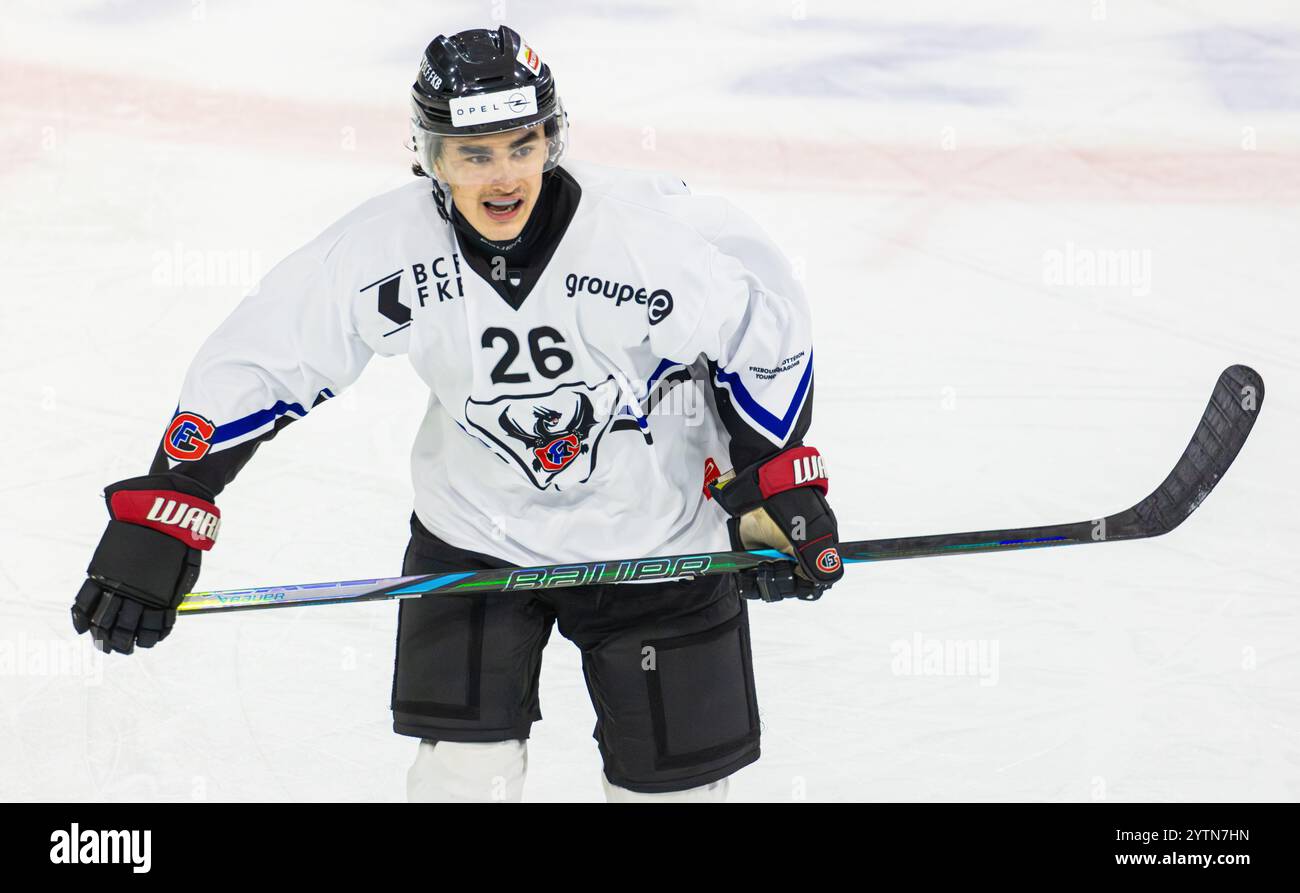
1218, 438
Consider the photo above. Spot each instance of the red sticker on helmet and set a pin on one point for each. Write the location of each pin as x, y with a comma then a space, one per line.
529, 59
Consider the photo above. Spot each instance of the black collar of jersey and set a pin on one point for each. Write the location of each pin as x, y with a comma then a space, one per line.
527, 255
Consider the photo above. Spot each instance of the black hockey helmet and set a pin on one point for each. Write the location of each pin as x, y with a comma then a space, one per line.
483, 81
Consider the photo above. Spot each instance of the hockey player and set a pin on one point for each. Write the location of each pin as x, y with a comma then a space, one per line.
553, 313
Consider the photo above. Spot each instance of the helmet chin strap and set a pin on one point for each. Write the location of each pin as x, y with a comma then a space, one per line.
440, 199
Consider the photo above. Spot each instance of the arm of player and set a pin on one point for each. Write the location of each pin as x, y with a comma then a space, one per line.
755, 329
288, 347
291, 344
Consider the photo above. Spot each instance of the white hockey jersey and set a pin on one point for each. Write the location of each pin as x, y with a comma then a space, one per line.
563, 429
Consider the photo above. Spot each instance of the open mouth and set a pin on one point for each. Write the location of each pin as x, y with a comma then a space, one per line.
502, 208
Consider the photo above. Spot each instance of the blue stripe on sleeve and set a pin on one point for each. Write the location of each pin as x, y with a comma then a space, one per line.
261, 418
779, 427
252, 422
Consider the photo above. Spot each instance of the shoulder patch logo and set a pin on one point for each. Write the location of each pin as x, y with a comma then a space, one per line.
188, 437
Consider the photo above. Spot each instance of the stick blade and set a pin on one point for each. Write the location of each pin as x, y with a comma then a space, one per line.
1229, 416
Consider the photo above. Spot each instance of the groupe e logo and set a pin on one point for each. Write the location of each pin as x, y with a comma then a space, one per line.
658, 303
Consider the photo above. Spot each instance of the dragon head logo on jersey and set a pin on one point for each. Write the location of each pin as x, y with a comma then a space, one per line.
552, 437
553, 448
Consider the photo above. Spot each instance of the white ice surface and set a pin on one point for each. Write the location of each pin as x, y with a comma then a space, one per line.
919, 160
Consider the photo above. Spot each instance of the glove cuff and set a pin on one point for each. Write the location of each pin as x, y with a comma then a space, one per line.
177, 506
795, 466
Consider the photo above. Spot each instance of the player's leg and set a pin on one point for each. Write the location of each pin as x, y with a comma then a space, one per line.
465, 681
467, 772
714, 792
670, 674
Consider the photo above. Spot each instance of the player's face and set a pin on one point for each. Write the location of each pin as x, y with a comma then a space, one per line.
495, 178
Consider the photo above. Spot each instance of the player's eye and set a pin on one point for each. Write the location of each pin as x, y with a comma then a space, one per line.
523, 151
